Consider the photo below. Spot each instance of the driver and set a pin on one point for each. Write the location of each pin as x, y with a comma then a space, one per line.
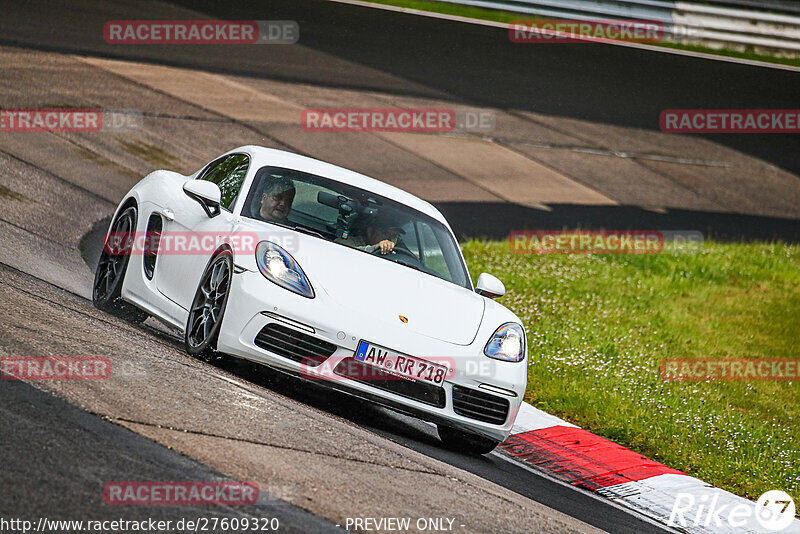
376, 237
276, 201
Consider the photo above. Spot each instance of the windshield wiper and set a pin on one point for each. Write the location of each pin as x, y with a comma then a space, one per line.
298, 228
306, 230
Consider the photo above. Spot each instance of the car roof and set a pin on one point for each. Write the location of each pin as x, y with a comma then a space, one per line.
263, 156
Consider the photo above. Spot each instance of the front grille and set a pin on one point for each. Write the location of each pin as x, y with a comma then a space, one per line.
479, 405
418, 390
294, 345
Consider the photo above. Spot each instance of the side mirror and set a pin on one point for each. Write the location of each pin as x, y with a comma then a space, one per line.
489, 286
206, 193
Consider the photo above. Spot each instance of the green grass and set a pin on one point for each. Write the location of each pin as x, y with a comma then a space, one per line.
599, 325
506, 16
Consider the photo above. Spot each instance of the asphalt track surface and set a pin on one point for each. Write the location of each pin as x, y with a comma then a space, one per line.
602, 83
618, 92
54, 208
76, 453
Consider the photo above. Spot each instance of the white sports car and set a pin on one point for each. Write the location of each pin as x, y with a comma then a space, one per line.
317, 270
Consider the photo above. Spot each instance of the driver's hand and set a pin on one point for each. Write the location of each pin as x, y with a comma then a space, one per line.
385, 246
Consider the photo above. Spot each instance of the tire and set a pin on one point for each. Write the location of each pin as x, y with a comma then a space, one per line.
110, 273
208, 307
465, 442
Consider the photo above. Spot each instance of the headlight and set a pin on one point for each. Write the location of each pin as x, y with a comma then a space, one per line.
279, 267
507, 343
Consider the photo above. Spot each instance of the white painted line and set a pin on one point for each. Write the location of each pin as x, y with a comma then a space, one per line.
530, 418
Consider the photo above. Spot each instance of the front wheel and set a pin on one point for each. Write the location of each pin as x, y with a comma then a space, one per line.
465, 442
208, 306
111, 269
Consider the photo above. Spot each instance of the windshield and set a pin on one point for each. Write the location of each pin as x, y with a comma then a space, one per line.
357, 219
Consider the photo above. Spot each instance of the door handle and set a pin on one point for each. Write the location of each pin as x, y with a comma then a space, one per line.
169, 214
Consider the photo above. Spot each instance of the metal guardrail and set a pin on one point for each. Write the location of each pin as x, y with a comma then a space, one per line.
778, 6
773, 28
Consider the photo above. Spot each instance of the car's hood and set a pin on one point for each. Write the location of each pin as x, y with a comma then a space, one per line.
382, 290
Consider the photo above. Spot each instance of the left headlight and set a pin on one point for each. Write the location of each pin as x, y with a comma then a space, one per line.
507, 343
279, 267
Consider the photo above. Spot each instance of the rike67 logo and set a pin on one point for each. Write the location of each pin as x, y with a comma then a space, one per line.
773, 512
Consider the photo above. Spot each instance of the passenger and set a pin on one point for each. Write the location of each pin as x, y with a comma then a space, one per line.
276, 201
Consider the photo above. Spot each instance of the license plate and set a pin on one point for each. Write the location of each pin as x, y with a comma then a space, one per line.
399, 364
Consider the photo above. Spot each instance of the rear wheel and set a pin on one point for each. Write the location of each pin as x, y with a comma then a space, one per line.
111, 269
465, 442
208, 306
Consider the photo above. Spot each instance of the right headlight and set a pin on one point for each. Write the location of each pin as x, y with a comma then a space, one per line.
507, 343
279, 267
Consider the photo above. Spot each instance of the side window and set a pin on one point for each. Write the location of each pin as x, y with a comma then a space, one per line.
432, 255
228, 173
306, 205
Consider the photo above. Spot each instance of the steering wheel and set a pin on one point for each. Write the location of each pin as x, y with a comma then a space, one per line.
400, 251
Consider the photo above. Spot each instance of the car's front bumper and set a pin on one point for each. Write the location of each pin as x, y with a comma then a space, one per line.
255, 302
